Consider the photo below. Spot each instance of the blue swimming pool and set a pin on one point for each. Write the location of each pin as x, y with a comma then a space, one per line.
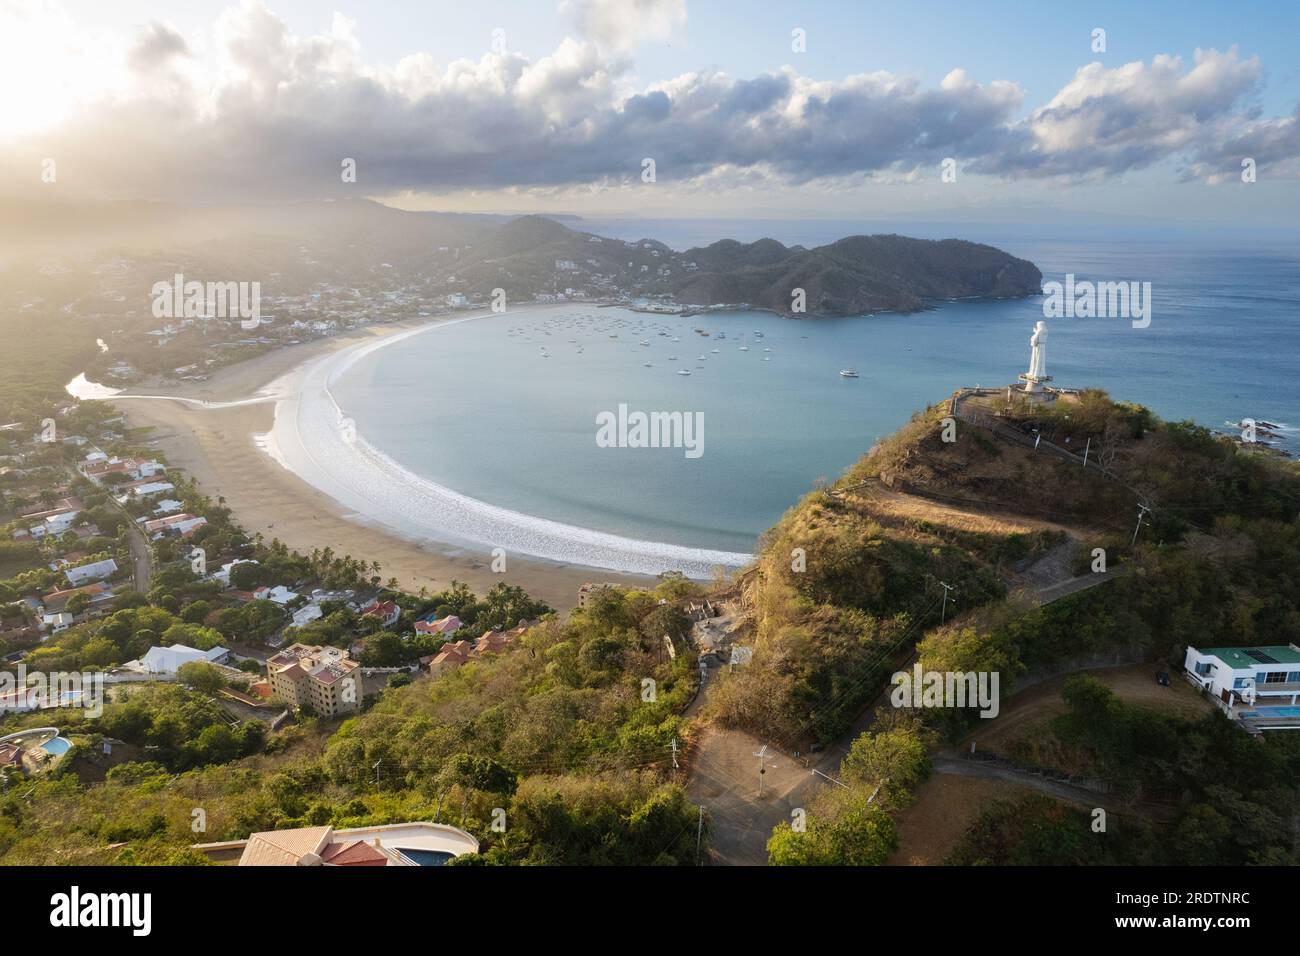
56, 747
1273, 712
426, 857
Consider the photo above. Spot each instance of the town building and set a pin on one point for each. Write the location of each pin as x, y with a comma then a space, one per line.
168, 660
442, 625
181, 524
387, 611
97, 593
95, 571
323, 679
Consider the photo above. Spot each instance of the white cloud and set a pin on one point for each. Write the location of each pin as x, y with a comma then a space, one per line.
255, 111
622, 25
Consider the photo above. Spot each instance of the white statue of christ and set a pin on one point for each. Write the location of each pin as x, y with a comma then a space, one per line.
1038, 358
1037, 373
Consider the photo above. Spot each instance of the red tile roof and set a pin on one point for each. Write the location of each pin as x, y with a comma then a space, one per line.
356, 853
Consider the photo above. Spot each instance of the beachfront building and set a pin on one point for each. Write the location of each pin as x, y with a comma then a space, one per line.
387, 611
589, 589
145, 488
442, 625
182, 524
99, 466
322, 679
392, 844
277, 595
1258, 685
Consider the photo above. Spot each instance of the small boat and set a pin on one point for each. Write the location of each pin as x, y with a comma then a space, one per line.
848, 373
702, 358
744, 348
716, 351
672, 358
758, 334
767, 350
647, 365
683, 371
645, 341
767, 358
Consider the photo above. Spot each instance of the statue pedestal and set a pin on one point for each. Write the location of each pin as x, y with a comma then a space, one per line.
1031, 391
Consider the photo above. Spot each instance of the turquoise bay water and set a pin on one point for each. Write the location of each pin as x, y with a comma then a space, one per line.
504, 409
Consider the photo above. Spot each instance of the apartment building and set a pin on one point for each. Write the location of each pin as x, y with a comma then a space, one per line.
324, 679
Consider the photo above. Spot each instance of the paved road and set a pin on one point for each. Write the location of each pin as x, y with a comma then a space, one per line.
141, 556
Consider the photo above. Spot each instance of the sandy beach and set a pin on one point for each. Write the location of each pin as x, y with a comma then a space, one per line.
217, 447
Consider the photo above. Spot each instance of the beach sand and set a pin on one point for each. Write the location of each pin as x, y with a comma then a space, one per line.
216, 447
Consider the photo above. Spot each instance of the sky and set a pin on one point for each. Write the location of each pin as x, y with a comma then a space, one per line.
759, 109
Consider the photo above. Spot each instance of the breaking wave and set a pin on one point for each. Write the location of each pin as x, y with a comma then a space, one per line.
313, 438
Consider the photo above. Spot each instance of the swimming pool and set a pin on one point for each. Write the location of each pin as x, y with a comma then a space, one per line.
56, 747
1273, 712
425, 857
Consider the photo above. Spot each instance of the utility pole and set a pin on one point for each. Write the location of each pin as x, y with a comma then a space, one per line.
674, 760
1142, 511
943, 613
761, 754
699, 835
1085, 452
376, 768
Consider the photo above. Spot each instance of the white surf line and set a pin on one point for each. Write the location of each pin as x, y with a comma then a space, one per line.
308, 438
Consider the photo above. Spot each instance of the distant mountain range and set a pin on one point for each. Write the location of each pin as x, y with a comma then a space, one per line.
531, 255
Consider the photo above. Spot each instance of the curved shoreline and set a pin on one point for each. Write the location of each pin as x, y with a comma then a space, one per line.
306, 439
310, 439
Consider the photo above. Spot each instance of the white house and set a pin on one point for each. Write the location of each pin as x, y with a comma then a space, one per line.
59, 523
1261, 684
306, 614
95, 571
54, 623
278, 594
224, 574
166, 660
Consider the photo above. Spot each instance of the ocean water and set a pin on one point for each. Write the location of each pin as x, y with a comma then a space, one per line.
504, 409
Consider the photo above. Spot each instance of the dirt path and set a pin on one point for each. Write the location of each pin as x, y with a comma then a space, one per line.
970, 518
1134, 683
946, 805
